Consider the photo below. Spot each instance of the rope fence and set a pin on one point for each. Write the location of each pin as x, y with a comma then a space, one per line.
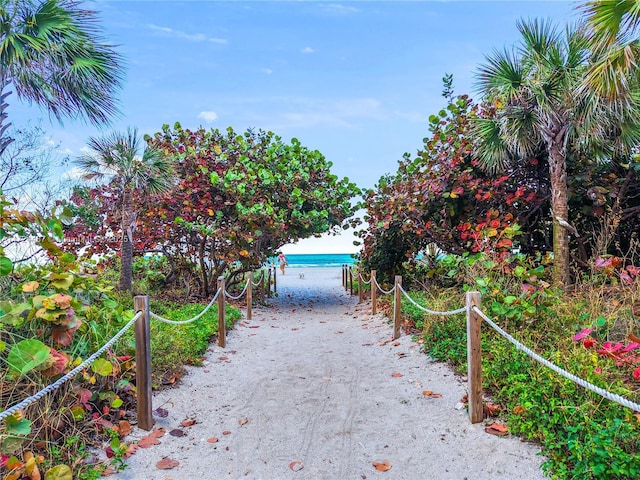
62, 380
475, 317
141, 320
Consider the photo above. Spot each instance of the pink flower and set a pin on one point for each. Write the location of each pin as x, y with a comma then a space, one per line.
625, 277
609, 348
636, 374
582, 334
633, 270
597, 370
631, 346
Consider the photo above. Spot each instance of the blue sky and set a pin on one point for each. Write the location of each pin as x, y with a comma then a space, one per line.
355, 80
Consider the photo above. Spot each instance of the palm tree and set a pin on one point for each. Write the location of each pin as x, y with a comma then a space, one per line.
614, 28
51, 54
540, 105
118, 157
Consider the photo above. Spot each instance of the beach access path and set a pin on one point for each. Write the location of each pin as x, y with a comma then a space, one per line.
312, 388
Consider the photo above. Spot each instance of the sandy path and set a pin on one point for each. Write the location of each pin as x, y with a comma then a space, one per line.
314, 385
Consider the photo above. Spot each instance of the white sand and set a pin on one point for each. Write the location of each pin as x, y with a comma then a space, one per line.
315, 387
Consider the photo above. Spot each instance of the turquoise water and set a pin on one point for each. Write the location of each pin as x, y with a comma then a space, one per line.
319, 260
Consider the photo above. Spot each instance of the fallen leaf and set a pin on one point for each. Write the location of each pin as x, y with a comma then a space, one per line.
396, 344
243, 421
161, 412
176, 432
397, 375
491, 409
296, 466
212, 440
382, 466
223, 358
497, 429
124, 428
254, 326
167, 463
518, 410
131, 449
227, 432
152, 438
187, 422
429, 393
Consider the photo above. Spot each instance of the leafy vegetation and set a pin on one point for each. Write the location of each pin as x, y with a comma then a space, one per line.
589, 332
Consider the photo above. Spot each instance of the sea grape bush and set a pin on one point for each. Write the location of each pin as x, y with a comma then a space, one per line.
238, 198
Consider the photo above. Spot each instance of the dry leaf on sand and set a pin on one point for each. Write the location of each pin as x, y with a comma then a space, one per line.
382, 466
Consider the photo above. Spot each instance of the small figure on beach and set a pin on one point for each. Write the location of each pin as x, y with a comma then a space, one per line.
283, 262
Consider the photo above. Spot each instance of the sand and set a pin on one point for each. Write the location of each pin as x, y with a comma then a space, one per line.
306, 390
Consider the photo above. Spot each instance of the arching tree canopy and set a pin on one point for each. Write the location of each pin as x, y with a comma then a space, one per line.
238, 198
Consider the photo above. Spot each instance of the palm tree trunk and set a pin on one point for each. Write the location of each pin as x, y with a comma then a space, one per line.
5, 140
560, 208
126, 243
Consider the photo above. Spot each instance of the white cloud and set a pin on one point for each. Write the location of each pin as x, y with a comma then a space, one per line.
340, 9
74, 174
208, 116
304, 112
194, 37
266, 71
308, 50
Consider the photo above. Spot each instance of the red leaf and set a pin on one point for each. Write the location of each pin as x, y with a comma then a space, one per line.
167, 463
382, 466
397, 375
296, 466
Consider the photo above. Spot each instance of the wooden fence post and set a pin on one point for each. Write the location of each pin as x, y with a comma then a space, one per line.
268, 286
374, 293
343, 276
396, 307
222, 327
249, 295
474, 357
275, 285
360, 285
351, 279
143, 363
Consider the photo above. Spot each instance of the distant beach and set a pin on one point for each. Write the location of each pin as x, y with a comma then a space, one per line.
316, 260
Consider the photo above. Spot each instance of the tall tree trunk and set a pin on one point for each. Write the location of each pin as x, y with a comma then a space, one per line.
5, 140
560, 207
126, 243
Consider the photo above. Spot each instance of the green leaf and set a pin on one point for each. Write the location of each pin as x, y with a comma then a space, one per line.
26, 355
17, 427
6, 266
61, 280
102, 367
59, 472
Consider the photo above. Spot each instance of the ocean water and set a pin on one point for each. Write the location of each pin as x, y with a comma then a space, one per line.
318, 260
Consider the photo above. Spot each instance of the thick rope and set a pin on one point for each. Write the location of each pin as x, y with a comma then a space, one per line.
228, 295
260, 279
54, 386
184, 322
570, 376
432, 312
363, 280
381, 289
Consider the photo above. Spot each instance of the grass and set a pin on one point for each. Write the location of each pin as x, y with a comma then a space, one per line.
583, 435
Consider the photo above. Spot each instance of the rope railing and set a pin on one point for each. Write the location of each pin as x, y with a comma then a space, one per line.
155, 316
240, 295
475, 316
143, 348
432, 312
385, 292
58, 383
568, 375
